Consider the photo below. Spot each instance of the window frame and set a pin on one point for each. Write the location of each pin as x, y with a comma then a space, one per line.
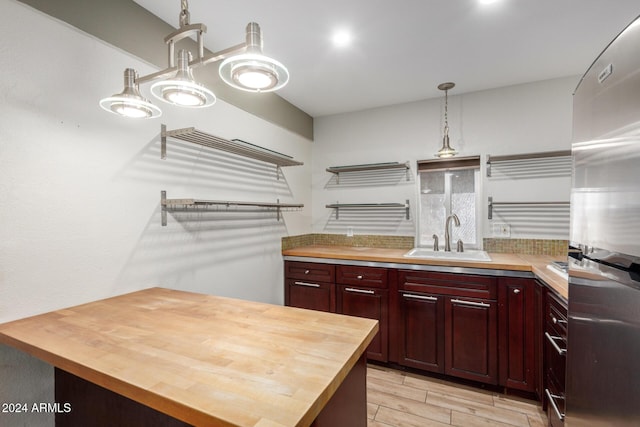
449, 166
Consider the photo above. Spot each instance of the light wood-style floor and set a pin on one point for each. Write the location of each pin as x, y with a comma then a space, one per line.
402, 399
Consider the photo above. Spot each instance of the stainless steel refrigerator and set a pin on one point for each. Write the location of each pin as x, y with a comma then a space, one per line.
603, 347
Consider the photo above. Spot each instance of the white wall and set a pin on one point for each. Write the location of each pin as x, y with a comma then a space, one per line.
526, 118
80, 192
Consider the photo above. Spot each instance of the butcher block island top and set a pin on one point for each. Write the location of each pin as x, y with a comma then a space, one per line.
202, 359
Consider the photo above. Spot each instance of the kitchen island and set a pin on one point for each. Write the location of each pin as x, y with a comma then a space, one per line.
180, 358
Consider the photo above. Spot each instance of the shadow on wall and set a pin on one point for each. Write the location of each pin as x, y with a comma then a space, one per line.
197, 240
370, 221
189, 251
196, 166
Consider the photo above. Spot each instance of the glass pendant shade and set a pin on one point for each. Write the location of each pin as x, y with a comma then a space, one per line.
182, 89
252, 71
130, 103
446, 151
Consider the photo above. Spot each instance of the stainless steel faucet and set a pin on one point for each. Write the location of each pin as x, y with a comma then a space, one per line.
447, 237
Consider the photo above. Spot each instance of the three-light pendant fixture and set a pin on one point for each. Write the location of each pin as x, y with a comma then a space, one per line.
243, 67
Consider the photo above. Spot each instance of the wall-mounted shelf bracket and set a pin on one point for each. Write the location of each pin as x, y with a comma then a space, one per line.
370, 206
167, 204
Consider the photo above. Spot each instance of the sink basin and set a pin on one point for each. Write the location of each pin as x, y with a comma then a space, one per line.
467, 255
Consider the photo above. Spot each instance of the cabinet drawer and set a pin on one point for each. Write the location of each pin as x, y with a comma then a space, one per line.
372, 277
462, 285
556, 315
310, 295
310, 271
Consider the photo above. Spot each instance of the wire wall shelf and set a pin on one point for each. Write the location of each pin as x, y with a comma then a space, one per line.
168, 204
388, 166
549, 163
235, 146
370, 206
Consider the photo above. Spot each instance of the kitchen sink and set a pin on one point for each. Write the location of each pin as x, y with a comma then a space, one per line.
467, 255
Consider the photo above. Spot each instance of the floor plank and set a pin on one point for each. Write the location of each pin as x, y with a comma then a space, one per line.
401, 399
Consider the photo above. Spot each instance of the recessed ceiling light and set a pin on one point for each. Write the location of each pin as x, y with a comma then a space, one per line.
341, 38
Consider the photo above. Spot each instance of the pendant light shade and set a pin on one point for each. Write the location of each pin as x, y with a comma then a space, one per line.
252, 71
182, 90
130, 103
446, 151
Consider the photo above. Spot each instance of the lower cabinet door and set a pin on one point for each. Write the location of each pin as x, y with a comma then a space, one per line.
312, 295
471, 339
421, 332
372, 304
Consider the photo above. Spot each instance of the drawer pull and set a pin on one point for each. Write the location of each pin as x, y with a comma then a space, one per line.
555, 320
552, 399
307, 272
552, 340
310, 285
516, 291
359, 277
472, 303
422, 297
360, 291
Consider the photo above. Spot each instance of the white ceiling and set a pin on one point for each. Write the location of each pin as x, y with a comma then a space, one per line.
403, 49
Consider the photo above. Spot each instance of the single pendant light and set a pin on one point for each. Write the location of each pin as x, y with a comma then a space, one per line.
446, 151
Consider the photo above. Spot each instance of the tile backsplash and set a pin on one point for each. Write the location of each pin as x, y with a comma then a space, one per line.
527, 246
361, 240
513, 246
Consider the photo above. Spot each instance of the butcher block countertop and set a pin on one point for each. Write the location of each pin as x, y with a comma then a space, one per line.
202, 359
537, 264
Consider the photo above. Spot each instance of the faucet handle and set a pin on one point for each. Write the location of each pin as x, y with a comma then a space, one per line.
435, 243
460, 246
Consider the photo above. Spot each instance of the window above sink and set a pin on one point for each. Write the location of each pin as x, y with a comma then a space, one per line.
449, 187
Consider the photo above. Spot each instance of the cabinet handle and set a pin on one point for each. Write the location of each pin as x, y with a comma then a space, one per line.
552, 399
307, 272
473, 303
360, 291
423, 297
310, 285
359, 277
552, 340
516, 291
556, 321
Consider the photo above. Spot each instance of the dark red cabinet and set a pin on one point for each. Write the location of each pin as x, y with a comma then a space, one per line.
310, 285
448, 324
517, 329
346, 289
421, 334
370, 303
555, 358
471, 339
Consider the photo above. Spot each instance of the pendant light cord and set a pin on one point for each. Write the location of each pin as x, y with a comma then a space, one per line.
446, 111
184, 13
